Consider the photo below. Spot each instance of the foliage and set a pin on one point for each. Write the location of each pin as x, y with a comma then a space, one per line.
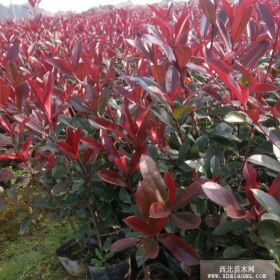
97, 106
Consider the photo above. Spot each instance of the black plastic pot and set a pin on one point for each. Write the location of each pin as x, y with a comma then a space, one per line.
111, 272
72, 266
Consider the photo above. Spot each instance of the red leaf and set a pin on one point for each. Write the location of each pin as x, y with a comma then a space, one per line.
152, 176
254, 53
268, 19
159, 224
12, 53
123, 244
112, 177
182, 27
8, 156
50, 161
223, 197
5, 124
73, 139
186, 221
138, 225
181, 250
172, 79
192, 191
5, 92
254, 114
76, 54
44, 93
242, 15
62, 65
100, 123
151, 247
274, 189
171, 185
37, 88
250, 174
228, 8
67, 149
165, 28
183, 55
209, 10
158, 210
94, 144
263, 88
48, 86
225, 34
225, 75
21, 94
165, 48
71, 146
145, 197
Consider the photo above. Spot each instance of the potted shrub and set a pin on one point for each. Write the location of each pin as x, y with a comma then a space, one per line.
157, 202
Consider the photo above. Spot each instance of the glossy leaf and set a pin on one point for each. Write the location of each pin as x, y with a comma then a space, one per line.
267, 18
192, 191
158, 210
209, 10
268, 202
242, 15
138, 225
250, 175
223, 197
5, 92
123, 244
151, 247
152, 176
112, 177
171, 185
181, 250
185, 220
265, 161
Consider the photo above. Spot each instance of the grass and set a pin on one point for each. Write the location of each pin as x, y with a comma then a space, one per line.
33, 256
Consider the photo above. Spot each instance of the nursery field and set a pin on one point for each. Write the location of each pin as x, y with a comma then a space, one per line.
137, 142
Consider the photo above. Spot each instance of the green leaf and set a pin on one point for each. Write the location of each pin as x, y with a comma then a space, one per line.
274, 138
66, 121
235, 117
270, 216
98, 254
223, 130
268, 202
198, 165
141, 257
61, 188
229, 227
269, 231
178, 112
215, 165
124, 196
265, 161
163, 116
233, 252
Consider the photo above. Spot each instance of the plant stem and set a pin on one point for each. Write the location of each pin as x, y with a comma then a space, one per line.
96, 230
247, 151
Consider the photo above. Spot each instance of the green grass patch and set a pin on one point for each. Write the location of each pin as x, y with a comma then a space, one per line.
33, 256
